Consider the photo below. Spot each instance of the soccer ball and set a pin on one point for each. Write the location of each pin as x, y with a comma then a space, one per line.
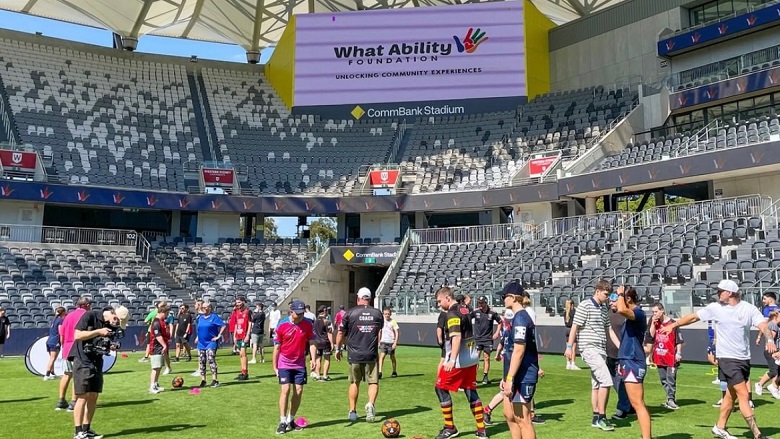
391, 428
177, 382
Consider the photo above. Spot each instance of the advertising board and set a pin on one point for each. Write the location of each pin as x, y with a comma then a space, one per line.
458, 52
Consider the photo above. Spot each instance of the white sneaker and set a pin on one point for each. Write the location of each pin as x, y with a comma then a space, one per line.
370, 412
195, 374
716, 381
155, 390
167, 371
253, 361
717, 404
574, 367
773, 390
314, 375
263, 361
758, 389
722, 434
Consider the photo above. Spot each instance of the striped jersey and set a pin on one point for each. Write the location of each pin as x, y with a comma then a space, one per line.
593, 320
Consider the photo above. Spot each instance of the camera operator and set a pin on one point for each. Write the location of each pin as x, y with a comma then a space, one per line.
96, 334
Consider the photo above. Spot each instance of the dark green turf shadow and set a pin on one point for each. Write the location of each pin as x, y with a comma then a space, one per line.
4, 401
381, 416
126, 403
690, 402
158, 429
120, 372
553, 403
675, 436
406, 375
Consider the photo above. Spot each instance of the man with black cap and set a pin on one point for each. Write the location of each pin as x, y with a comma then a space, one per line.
361, 326
88, 364
323, 333
733, 319
484, 318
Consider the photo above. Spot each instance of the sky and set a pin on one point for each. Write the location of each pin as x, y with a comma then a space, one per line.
148, 44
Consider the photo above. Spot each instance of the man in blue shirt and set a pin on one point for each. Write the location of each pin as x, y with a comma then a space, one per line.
631, 355
521, 366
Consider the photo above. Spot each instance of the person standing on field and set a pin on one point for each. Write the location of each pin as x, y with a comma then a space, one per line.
361, 326
257, 343
183, 330
241, 322
667, 353
590, 328
733, 319
388, 342
323, 339
484, 318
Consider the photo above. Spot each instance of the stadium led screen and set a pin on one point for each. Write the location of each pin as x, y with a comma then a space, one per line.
422, 54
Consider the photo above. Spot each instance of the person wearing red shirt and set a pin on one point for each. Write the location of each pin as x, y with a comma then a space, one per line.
337, 319
291, 339
667, 353
241, 324
159, 339
67, 333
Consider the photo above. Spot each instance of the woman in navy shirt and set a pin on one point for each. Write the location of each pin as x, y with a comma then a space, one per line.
632, 365
54, 342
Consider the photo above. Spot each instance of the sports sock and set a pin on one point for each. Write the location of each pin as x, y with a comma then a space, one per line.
85, 427
602, 416
244, 371
477, 411
283, 419
750, 396
78, 429
446, 411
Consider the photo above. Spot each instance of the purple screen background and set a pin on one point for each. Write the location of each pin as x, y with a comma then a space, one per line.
501, 57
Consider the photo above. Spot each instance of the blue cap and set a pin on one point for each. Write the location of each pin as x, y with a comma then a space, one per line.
298, 307
514, 289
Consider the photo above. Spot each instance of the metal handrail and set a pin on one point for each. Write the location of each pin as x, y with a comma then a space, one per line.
68, 235
723, 74
672, 214
454, 235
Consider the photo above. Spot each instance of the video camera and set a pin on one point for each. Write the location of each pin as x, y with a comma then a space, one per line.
103, 345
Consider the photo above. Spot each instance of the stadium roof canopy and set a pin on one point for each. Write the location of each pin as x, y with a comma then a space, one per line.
252, 24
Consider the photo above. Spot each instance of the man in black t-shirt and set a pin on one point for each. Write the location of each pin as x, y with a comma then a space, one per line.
88, 366
484, 334
362, 325
441, 327
257, 340
183, 331
5, 329
323, 341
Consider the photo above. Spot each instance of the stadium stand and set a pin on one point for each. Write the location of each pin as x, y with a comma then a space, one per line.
711, 138
258, 270
457, 153
35, 279
289, 154
669, 249
108, 121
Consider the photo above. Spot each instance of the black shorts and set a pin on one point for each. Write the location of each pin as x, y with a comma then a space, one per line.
183, 339
733, 372
485, 346
87, 377
612, 364
271, 333
322, 352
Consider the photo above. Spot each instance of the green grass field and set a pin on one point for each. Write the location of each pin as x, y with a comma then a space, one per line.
250, 409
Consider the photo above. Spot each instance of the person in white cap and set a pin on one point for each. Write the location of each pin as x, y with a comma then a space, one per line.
733, 320
361, 326
88, 364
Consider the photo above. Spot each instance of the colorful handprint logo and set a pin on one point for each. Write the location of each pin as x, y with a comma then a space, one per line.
471, 41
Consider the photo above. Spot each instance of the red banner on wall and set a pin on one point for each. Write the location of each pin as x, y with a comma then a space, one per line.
18, 159
537, 167
383, 178
217, 176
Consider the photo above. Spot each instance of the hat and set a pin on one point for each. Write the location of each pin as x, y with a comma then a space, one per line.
298, 307
123, 314
341, 306
728, 285
509, 314
482, 299
513, 289
364, 293
322, 308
